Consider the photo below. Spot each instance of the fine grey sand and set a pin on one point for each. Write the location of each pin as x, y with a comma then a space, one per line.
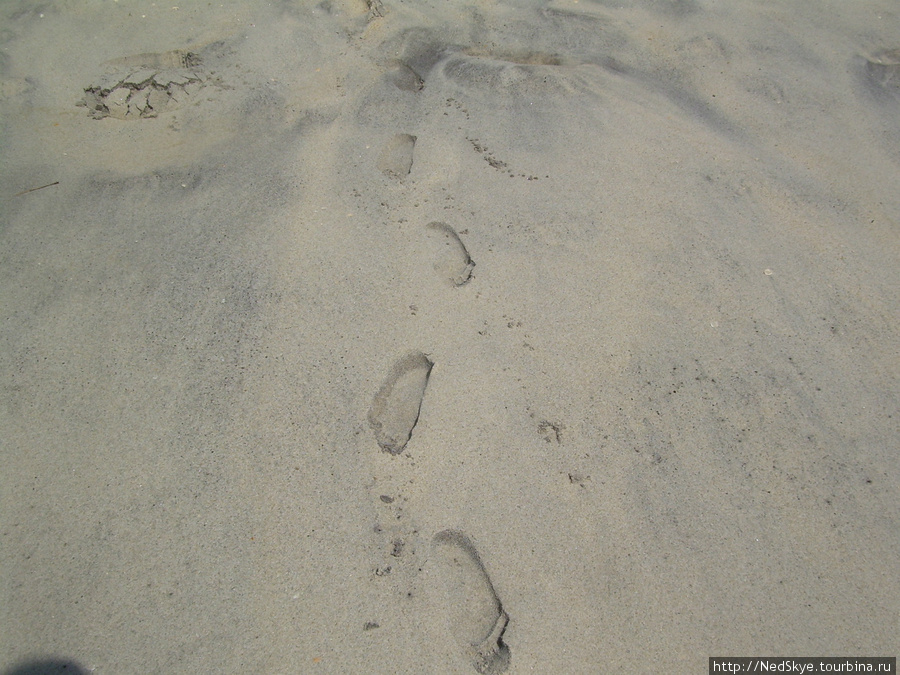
661, 413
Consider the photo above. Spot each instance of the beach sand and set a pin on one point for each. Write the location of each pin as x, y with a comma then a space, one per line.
438, 337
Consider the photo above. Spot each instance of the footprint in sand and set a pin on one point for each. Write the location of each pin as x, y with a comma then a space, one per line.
883, 69
142, 86
405, 78
475, 615
395, 410
396, 157
453, 261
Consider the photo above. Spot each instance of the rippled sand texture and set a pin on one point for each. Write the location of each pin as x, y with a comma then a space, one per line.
440, 337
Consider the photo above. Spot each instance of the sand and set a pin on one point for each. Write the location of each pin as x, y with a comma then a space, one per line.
644, 255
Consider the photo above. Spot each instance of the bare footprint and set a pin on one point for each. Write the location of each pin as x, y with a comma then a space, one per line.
397, 156
476, 617
884, 68
406, 79
395, 410
453, 261
142, 86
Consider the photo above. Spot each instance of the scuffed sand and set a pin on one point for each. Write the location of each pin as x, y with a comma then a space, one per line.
663, 407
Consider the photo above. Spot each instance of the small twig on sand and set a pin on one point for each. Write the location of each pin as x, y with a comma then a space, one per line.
25, 192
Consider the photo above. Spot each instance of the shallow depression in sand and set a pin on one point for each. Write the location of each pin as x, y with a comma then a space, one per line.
513, 75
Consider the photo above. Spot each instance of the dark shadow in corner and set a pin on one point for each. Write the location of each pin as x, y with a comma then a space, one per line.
47, 667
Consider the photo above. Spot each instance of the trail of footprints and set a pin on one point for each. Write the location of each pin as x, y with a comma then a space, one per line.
145, 85
475, 617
